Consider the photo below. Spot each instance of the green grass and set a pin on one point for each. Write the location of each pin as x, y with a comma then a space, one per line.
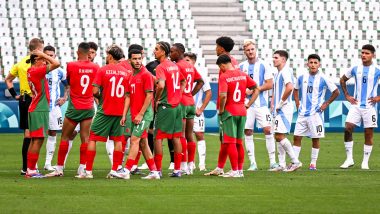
328, 190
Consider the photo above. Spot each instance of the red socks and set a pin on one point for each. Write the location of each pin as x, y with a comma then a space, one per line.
151, 165
177, 160
241, 153
83, 151
233, 154
191, 147
32, 159
117, 158
158, 161
184, 149
223, 152
138, 157
90, 156
62, 152
129, 164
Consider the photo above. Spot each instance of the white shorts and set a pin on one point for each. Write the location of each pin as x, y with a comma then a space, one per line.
283, 120
199, 124
55, 119
261, 115
310, 126
368, 115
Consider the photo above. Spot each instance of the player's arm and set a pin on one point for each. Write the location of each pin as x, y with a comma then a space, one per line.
96, 91
160, 85
53, 63
197, 87
66, 93
222, 102
208, 95
147, 102
285, 96
268, 84
9, 81
255, 93
343, 81
125, 110
296, 98
333, 96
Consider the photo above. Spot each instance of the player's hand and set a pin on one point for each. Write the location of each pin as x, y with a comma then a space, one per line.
60, 101
323, 107
122, 121
38, 53
280, 105
374, 100
17, 97
138, 119
271, 108
247, 106
198, 112
351, 99
248, 91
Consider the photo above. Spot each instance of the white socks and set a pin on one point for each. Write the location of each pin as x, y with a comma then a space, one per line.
285, 143
250, 147
202, 152
349, 147
110, 147
367, 153
281, 155
50, 149
271, 148
314, 156
297, 150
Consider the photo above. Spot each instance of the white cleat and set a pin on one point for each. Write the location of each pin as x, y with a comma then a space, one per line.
55, 173
227, 173
202, 168
241, 173
85, 175
347, 164
276, 168
143, 166
216, 172
365, 166
154, 175
253, 167
190, 168
117, 174
49, 167
81, 169
171, 166
232, 174
293, 167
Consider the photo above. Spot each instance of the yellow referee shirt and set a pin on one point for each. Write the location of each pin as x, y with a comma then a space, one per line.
20, 70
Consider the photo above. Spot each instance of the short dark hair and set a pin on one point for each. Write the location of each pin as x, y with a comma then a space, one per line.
135, 47
223, 59
165, 47
180, 47
133, 51
192, 56
314, 56
83, 47
32, 59
282, 53
34, 43
49, 48
369, 47
115, 51
226, 42
93, 45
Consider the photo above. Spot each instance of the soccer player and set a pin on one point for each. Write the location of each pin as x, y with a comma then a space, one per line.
80, 110
192, 76
232, 115
110, 89
199, 119
282, 109
363, 104
140, 99
20, 70
261, 73
224, 45
168, 122
39, 107
55, 115
311, 105
93, 51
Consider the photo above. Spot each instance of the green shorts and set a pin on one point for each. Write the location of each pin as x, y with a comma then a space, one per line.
231, 128
168, 122
77, 116
141, 129
188, 112
38, 124
128, 125
104, 126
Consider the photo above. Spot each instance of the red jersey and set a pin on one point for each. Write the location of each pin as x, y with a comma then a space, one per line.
139, 84
169, 72
40, 89
235, 83
235, 63
126, 65
191, 75
80, 75
112, 79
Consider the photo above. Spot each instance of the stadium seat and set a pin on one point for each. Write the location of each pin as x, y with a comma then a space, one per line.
327, 63
150, 42
307, 44
129, 13
4, 23
155, 5
58, 13
315, 34
131, 23
70, 4
348, 44
174, 23
180, 40
16, 22
126, 4
188, 23
343, 34
248, 6
367, 25
143, 14
148, 33
5, 41
162, 33
84, 4
86, 23
251, 15
140, 4
191, 33
14, 4
282, 24
133, 33
59, 23
300, 34
276, 6
116, 23
112, 5
18, 32
44, 23
90, 33
311, 25
55, 4
100, 13
49, 41
322, 16
136, 40
169, 5
19, 41
4, 32
331, 6
159, 23
278, 44
7, 51
294, 15
75, 41
102, 23
295, 53
183, 5
292, 44
157, 14
3, 13
32, 32
185, 14
73, 23
325, 24
29, 13
348, 15
121, 41
63, 42
297, 25
176, 33
335, 15
106, 42
114, 14
345, 6
341, 63
286, 34
61, 33
263, 44
328, 34
334, 44
320, 44
268, 25
307, 15
14, 13
359, 6
21, 51
193, 43
352, 25
356, 35
280, 15
97, 4
118, 32
171, 14
75, 32
363, 16
86, 13
30, 22
104, 32
72, 14
271, 34
266, 15
262, 5
338, 53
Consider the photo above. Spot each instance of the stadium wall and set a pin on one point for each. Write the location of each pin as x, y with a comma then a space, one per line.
335, 115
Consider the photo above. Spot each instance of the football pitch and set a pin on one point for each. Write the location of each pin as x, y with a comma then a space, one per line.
327, 190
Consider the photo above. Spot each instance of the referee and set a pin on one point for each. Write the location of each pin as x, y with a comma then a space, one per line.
20, 70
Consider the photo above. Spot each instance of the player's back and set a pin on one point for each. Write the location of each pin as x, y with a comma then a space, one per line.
126, 65
80, 75
39, 88
112, 79
170, 72
189, 72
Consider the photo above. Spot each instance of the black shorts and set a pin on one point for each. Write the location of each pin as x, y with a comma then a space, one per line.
23, 104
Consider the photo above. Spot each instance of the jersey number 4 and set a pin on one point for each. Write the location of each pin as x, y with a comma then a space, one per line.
175, 81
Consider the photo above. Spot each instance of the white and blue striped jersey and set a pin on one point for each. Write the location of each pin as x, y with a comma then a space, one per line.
282, 78
198, 98
312, 90
259, 72
54, 78
366, 82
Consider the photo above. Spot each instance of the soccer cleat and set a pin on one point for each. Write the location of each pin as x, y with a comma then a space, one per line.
227, 173
365, 166
202, 168
34, 175
241, 173
120, 174
23, 172
176, 174
143, 166
81, 169
276, 168
232, 174
253, 167
137, 171
55, 173
49, 167
171, 166
293, 167
347, 164
85, 175
152, 176
312, 167
216, 172
190, 168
